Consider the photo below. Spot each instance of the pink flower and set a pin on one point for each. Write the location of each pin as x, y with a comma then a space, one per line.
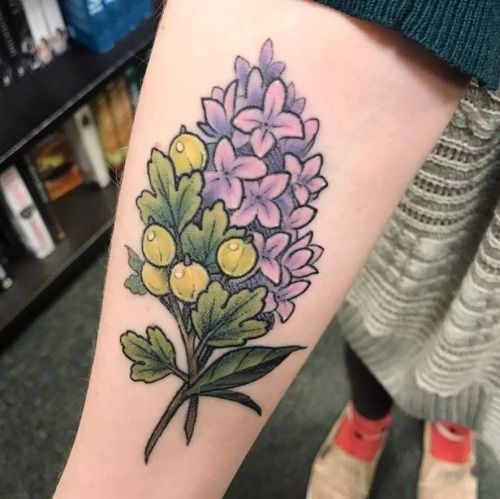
259, 201
219, 111
305, 178
270, 124
281, 300
300, 257
301, 147
298, 217
269, 250
226, 181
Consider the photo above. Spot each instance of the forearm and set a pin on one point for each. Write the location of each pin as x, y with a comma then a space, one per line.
381, 104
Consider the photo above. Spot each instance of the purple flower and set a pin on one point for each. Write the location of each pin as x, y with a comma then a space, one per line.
300, 257
270, 124
270, 70
242, 69
305, 179
301, 147
269, 250
219, 111
255, 89
292, 102
281, 299
226, 181
259, 201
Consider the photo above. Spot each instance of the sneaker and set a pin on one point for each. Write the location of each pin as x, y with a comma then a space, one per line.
447, 477
338, 474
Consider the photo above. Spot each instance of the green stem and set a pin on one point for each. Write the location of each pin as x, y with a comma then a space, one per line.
169, 413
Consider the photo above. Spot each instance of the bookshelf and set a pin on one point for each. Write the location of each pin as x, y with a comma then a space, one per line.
32, 107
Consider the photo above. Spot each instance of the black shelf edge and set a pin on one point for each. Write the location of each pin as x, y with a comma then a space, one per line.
64, 84
87, 216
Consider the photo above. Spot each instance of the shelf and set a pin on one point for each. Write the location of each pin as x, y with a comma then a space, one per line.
86, 215
40, 100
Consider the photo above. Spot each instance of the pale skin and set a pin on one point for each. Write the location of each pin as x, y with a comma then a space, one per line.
382, 103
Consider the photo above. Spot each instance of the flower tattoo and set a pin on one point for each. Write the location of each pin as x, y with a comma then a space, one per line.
224, 248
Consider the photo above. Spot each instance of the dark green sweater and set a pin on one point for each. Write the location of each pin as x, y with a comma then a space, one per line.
465, 33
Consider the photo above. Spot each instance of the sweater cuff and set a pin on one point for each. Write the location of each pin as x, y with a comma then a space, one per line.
464, 33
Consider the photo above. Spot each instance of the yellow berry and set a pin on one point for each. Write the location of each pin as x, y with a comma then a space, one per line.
188, 152
158, 245
155, 279
188, 280
236, 257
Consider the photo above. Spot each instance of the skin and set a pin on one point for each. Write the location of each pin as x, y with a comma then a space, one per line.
382, 103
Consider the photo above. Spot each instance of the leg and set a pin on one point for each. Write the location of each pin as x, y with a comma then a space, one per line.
368, 396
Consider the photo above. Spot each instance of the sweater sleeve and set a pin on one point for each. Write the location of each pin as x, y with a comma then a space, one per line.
464, 33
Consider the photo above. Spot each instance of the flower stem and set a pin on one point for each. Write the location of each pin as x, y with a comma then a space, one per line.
191, 417
169, 413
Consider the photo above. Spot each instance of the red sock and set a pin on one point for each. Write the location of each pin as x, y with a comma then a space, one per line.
361, 437
451, 442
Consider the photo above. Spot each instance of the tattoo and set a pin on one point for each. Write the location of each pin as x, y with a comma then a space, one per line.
225, 246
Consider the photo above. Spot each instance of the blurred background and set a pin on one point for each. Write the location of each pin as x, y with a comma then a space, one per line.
70, 76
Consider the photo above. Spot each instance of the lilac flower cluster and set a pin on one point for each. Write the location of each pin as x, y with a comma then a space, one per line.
261, 168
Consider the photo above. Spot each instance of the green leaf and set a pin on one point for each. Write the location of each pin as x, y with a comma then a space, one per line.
134, 261
238, 397
173, 202
202, 242
153, 357
240, 367
222, 320
134, 283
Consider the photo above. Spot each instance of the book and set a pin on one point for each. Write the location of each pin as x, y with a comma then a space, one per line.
39, 31
88, 23
81, 130
56, 165
9, 45
58, 35
16, 17
122, 113
24, 214
108, 136
11, 247
41, 197
117, 16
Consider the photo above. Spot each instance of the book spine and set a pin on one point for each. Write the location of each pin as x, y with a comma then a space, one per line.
38, 29
108, 136
122, 113
55, 26
82, 132
43, 202
22, 34
10, 46
25, 215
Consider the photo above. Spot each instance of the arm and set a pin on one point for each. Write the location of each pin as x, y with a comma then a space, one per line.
381, 103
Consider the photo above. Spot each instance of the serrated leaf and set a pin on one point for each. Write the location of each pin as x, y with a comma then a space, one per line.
224, 320
240, 367
134, 261
153, 357
134, 283
202, 242
238, 397
173, 202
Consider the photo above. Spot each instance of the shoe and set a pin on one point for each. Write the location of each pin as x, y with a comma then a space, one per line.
337, 474
443, 479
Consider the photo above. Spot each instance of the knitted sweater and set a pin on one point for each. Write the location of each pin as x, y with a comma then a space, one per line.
464, 33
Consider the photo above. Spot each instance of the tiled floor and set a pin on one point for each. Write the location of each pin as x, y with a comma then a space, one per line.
43, 377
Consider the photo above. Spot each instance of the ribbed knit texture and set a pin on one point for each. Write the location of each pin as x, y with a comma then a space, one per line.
424, 314
464, 33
